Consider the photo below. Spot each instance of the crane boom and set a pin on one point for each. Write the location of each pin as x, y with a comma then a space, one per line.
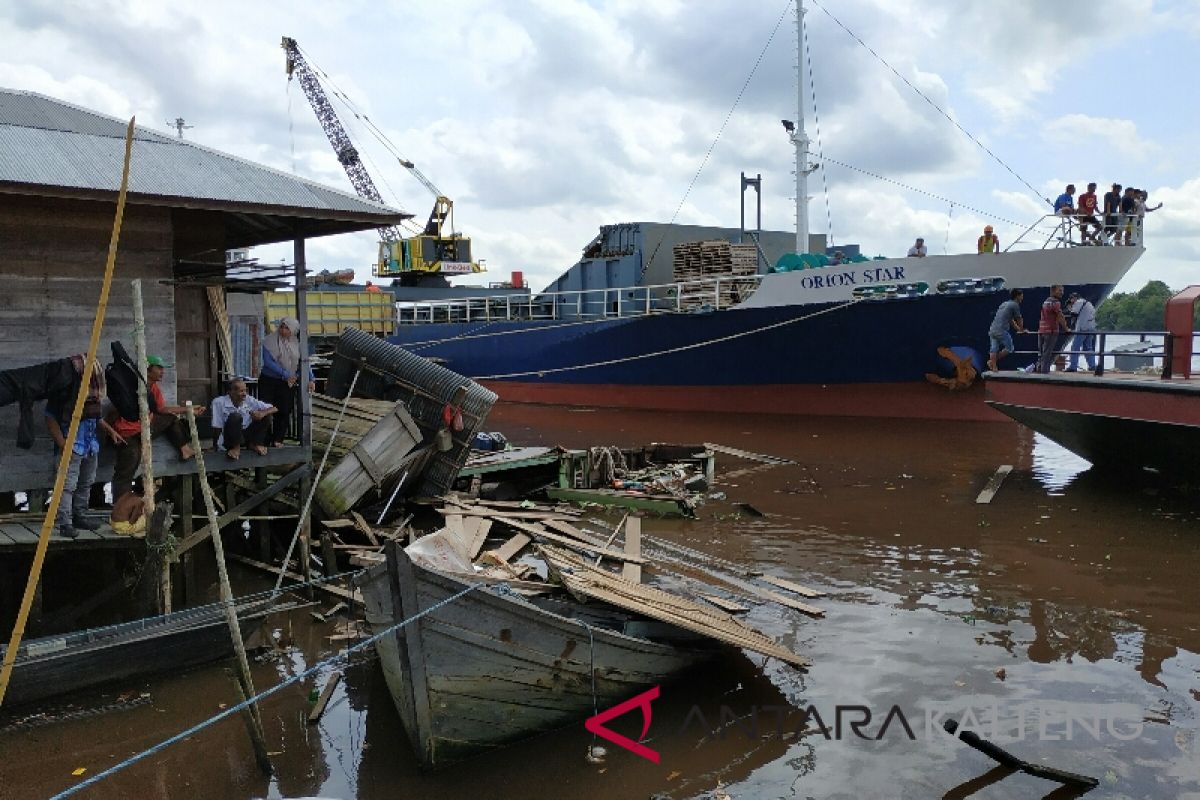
346, 152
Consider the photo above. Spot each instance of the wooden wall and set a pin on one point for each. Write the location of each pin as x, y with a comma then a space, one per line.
52, 256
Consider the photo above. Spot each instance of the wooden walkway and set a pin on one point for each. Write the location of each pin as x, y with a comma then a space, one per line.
19, 532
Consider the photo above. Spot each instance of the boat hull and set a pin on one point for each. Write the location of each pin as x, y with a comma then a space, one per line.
868, 358
491, 668
1118, 424
60, 665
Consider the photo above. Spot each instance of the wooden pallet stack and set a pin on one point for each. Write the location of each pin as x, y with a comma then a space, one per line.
708, 260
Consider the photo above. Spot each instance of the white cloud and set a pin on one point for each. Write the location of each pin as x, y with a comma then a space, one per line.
1113, 135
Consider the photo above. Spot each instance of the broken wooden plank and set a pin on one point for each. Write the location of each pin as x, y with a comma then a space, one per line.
456, 527
582, 579
478, 537
574, 544
725, 605
570, 530
803, 591
993, 485
632, 571
510, 548
804, 608
362, 525
315, 715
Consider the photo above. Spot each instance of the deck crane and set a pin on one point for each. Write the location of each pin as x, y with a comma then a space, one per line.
436, 250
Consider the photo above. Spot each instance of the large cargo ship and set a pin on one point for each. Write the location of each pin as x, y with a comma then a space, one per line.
650, 319
852, 339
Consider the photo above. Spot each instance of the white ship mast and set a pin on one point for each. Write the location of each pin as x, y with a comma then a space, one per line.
800, 139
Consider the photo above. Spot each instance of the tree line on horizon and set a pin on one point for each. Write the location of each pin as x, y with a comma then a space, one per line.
1137, 311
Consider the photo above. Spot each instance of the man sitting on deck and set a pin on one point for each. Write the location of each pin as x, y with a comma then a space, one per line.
126, 435
241, 419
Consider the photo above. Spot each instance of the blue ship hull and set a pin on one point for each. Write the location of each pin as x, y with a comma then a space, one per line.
864, 358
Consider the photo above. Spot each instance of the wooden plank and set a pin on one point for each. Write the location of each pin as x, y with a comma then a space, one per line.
478, 537
803, 591
457, 528
568, 529
804, 608
574, 544
632, 572
533, 515
362, 525
506, 551
660, 504
581, 578
314, 716
993, 485
724, 605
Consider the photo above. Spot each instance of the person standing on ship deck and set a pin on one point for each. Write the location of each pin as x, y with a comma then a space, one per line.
280, 371
918, 249
1087, 217
989, 242
1112, 214
1051, 324
1008, 315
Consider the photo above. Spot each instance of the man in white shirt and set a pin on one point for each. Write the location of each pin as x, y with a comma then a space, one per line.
917, 250
1084, 314
241, 420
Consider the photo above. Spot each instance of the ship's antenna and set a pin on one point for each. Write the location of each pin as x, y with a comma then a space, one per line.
800, 139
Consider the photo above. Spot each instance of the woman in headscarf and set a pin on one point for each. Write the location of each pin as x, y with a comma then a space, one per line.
280, 371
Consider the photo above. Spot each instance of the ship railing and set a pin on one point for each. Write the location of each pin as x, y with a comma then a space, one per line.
1061, 230
701, 294
1150, 347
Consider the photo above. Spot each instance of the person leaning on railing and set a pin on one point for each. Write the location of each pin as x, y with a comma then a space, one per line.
280, 372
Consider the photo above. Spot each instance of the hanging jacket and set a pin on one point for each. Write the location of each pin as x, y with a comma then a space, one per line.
53, 380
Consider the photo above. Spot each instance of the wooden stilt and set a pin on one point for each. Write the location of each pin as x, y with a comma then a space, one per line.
187, 489
262, 527
235, 631
157, 581
253, 727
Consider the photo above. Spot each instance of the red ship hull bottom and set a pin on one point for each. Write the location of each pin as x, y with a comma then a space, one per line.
910, 400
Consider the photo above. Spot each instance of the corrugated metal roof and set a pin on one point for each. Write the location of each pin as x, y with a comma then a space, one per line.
46, 142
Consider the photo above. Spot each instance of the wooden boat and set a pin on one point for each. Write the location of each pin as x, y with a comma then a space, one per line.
59, 665
508, 660
494, 666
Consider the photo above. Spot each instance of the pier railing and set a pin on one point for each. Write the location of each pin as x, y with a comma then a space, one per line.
630, 301
1158, 345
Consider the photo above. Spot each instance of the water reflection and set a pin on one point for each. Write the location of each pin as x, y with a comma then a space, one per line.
1054, 466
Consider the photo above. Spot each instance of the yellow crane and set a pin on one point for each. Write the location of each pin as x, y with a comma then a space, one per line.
439, 249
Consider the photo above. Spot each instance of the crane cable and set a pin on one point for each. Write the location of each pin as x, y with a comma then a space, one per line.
935, 106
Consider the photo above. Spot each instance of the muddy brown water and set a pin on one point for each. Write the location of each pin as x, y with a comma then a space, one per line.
1083, 590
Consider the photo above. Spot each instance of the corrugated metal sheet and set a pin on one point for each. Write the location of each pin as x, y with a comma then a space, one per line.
49, 143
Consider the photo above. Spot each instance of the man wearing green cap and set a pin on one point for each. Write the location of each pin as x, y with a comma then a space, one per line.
164, 419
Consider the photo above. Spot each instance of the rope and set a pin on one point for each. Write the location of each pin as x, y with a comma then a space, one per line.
99, 776
817, 123
910, 188
667, 352
721, 130
936, 107
39, 554
316, 479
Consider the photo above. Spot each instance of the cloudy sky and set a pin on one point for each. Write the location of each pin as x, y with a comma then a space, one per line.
544, 119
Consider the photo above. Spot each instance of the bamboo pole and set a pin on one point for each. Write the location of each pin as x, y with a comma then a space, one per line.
235, 630
139, 355
89, 364
149, 490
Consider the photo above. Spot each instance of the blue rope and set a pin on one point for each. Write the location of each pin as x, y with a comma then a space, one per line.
99, 776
